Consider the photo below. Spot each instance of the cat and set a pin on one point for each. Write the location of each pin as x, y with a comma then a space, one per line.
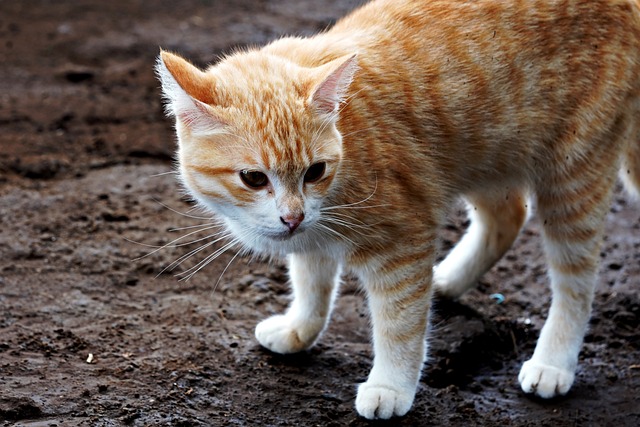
344, 151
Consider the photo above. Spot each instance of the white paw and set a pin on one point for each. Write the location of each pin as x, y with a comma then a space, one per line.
545, 381
382, 401
279, 335
446, 283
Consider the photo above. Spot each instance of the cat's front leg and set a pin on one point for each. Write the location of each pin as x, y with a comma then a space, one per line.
399, 305
314, 280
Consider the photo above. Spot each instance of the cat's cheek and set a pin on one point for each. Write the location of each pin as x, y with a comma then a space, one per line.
312, 209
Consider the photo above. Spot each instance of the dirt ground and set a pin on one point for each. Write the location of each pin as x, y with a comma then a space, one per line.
85, 171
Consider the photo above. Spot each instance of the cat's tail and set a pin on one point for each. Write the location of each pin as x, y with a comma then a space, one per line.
630, 169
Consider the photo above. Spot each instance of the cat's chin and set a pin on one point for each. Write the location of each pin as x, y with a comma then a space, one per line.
280, 237
284, 235
282, 244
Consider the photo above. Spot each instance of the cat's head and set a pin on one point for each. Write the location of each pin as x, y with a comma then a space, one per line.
258, 142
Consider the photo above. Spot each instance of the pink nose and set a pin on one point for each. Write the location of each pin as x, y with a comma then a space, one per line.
292, 221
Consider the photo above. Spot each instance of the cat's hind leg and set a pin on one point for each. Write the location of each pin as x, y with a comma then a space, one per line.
495, 223
572, 213
315, 281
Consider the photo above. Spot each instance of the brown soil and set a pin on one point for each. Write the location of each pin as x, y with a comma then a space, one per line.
84, 156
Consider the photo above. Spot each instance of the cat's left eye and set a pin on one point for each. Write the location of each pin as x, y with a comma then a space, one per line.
315, 172
254, 179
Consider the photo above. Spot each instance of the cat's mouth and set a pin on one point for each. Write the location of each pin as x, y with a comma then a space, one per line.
284, 235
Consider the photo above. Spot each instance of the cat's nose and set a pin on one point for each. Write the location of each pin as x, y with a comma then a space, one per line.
292, 221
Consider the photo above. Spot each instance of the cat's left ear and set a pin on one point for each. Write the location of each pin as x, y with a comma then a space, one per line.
334, 80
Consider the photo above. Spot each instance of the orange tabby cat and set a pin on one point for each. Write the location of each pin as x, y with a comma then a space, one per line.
346, 149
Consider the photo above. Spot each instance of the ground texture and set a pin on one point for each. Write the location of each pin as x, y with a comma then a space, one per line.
85, 162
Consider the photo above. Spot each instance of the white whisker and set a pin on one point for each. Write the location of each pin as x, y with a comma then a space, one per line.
168, 245
224, 271
188, 274
346, 218
340, 221
180, 213
361, 230
164, 173
171, 243
186, 256
216, 224
337, 233
349, 206
193, 252
354, 205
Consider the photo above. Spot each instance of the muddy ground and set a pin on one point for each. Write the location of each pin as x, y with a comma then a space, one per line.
85, 162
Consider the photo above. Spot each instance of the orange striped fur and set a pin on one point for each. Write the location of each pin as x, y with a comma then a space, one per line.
346, 149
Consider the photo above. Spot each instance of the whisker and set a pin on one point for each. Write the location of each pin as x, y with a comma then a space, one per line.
224, 271
189, 254
180, 213
188, 274
216, 224
163, 173
168, 245
185, 257
346, 217
339, 221
337, 233
177, 240
348, 206
358, 229
354, 204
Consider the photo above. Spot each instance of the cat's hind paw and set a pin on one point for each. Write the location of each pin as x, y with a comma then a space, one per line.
383, 402
448, 283
278, 334
544, 380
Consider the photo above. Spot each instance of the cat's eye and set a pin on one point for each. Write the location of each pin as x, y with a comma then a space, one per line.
254, 179
315, 172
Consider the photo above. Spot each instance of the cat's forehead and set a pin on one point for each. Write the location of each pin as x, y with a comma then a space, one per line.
267, 97
259, 78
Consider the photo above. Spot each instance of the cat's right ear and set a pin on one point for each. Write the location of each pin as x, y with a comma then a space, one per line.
188, 92
335, 78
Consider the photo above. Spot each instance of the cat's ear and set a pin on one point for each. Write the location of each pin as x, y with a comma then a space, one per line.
334, 80
188, 91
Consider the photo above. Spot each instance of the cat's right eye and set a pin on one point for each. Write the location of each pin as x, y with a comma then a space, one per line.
315, 172
254, 179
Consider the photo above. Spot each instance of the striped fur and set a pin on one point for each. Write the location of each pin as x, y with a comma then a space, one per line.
406, 106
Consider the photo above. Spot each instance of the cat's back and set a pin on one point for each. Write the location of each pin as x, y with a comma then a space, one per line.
476, 78
433, 22
480, 77
494, 45
431, 15
436, 36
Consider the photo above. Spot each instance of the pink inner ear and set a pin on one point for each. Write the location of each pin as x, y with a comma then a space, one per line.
188, 92
198, 117
332, 90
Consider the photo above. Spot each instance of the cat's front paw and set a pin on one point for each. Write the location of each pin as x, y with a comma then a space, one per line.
280, 335
382, 401
544, 380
